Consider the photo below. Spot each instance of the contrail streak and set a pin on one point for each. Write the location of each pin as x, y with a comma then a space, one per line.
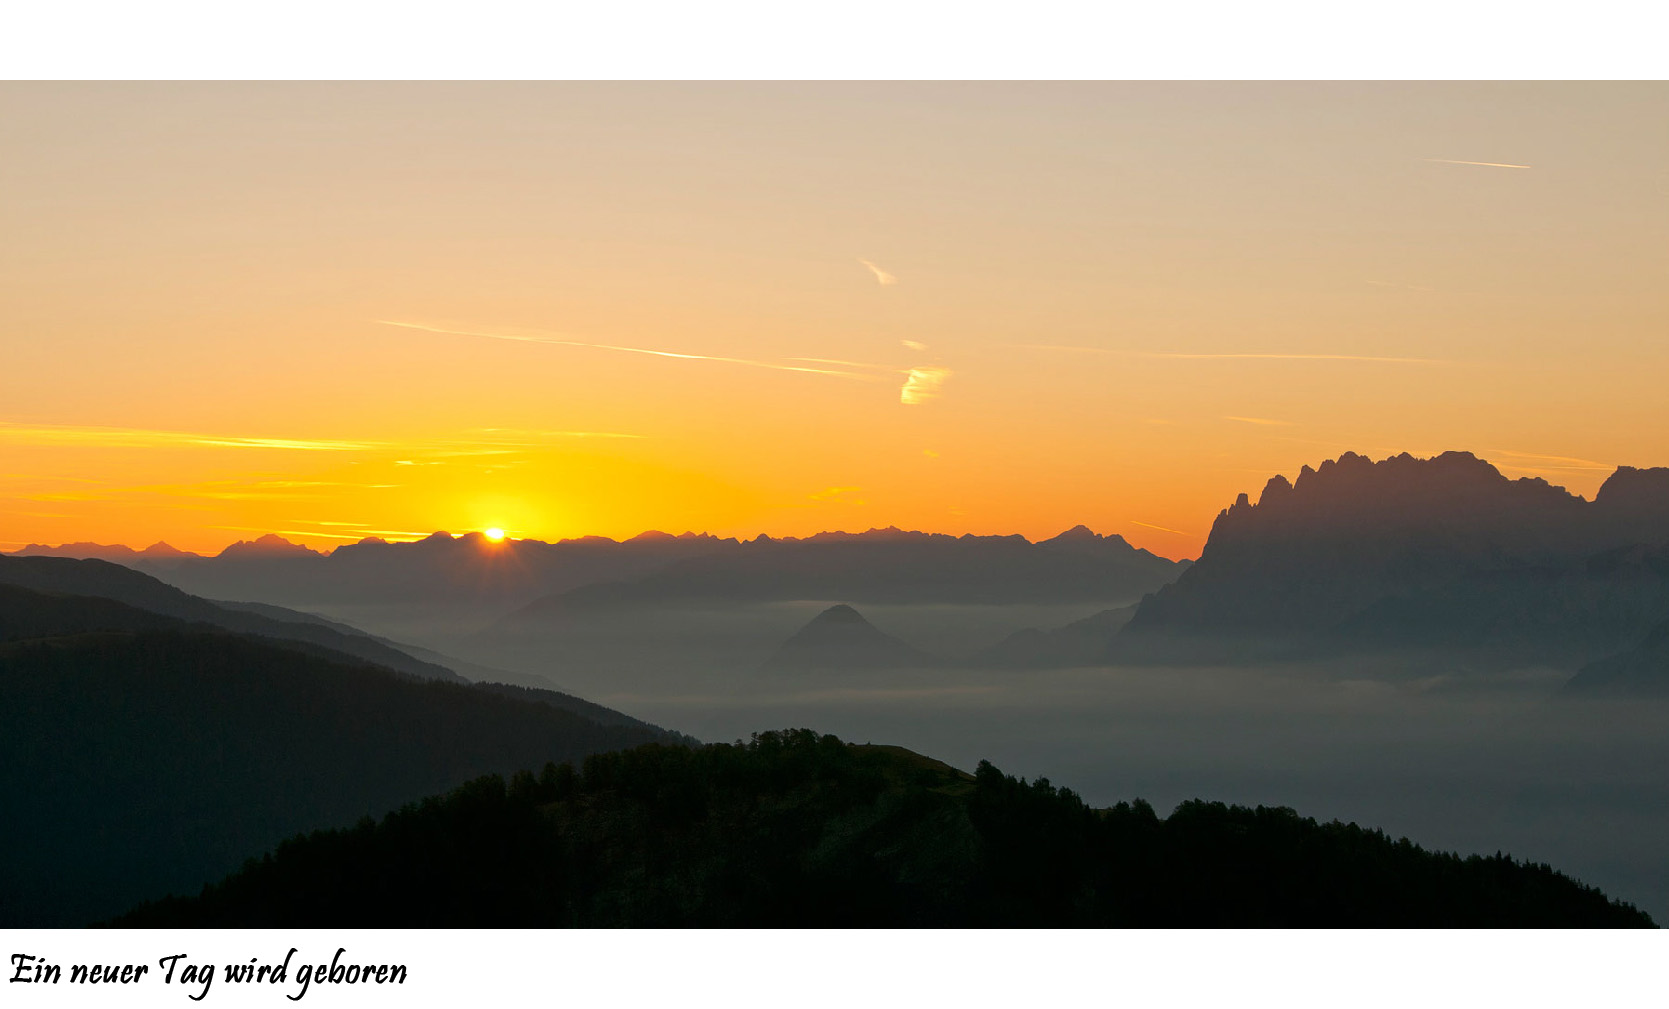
1150, 525
624, 350
1481, 164
1227, 357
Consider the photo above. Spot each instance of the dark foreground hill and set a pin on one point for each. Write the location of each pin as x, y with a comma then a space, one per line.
139, 761
794, 829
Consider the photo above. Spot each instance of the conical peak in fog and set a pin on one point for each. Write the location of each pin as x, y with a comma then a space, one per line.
841, 638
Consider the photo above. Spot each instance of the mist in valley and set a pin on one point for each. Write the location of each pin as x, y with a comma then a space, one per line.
1453, 757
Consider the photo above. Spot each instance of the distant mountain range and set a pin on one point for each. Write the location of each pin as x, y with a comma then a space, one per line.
1436, 563
881, 565
1443, 554
884, 566
104, 552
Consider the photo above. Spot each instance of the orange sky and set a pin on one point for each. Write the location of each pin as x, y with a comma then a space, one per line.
341, 310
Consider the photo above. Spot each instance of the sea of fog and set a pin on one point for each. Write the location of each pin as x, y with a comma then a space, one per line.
1477, 763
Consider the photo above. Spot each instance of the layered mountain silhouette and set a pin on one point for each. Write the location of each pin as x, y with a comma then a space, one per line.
439, 568
885, 566
1641, 671
99, 551
881, 565
142, 752
1443, 553
95, 584
109, 581
796, 829
1081, 643
839, 638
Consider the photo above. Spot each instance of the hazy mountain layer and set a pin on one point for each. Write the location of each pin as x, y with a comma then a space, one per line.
800, 830
508, 682
887, 566
1641, 671
106, 580
1080, 643
881, 565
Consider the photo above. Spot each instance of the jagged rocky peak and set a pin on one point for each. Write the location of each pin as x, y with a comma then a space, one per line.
1636, 489
268, 545
1082, 539
1278, 489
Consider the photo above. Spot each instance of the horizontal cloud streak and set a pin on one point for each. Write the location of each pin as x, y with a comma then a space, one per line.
1553, 462
1264, 421
1480, 164
494, 441
126, 437
1175, 356
1163, 529
523, 433
557, 342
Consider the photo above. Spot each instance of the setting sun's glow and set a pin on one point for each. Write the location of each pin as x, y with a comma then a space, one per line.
1130, 356
495, 534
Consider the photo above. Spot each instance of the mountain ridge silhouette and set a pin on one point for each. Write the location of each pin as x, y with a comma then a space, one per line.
1407, 553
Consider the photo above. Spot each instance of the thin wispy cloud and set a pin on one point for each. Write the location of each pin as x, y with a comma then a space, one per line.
359, 529
922, 385
1163, 529
128, 437
1261, 421
486, 442
1294, 357
850, 364
1551, 462
675, 355
1480, 164
1178, 356
298, 533
530, 433
882, 277
913, 344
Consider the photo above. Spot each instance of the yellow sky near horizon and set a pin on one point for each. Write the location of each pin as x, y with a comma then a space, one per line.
342, 310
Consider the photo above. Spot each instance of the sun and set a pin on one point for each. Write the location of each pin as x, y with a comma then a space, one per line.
495, 534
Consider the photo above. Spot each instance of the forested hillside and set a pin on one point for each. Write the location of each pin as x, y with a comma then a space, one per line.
796, 829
